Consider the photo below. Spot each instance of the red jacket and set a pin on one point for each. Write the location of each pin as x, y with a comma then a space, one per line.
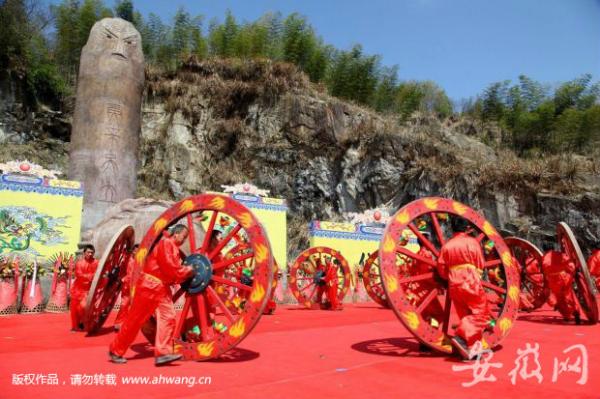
164, 263
594, 263
555, 262
462, 249
84, 274
129, 273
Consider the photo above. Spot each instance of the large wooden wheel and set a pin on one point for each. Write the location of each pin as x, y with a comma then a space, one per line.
206, 327
307, 275
429, 316
106, 284
372, 280
533, 285
583, 284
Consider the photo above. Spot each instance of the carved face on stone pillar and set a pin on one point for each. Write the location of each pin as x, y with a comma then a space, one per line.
107, 117
116, 45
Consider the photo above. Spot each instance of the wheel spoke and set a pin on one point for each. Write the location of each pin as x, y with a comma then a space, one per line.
418, 277
493, 287
415, 256
424, 240
211, 292
430, 297
228, 262
530, 262
437, 228
230, 283
310, 297
182, 316
211, 227
306, 286
191, 233
203, 316
492, 263
224, 241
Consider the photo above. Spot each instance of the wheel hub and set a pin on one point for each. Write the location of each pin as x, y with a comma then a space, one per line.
202, 272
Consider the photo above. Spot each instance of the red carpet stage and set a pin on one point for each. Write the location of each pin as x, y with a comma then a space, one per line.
361, 352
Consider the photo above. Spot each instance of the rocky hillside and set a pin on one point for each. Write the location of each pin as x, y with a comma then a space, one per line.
223, 122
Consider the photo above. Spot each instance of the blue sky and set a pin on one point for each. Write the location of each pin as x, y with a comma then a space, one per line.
463, 45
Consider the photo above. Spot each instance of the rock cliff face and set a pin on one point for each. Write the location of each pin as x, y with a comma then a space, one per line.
225, 122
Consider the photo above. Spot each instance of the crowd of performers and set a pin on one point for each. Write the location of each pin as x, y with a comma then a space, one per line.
460, 266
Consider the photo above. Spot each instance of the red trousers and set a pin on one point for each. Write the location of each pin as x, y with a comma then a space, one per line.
470, 301
332, 294
271, 305
77, 308
561, 285
331, 277
124, 307
151, 296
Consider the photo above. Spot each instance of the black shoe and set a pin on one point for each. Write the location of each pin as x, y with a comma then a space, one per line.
116, 358
166, 359
461, 347
577, 318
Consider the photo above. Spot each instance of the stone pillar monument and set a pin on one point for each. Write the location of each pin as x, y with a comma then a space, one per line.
107, 119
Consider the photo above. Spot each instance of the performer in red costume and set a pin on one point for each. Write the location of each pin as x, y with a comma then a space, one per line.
594, 264
331, 279
126, 290
85, 268
559, 271
152, 292
319, 278
461, 262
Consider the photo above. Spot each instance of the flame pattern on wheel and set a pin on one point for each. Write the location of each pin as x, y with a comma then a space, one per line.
206, 327
429, 315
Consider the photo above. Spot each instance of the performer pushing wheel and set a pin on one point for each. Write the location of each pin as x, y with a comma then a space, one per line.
476, 305
317, 273
206, 327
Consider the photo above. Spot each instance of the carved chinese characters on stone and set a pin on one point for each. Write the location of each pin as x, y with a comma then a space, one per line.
107, 119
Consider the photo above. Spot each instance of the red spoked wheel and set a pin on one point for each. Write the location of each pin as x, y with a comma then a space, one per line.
372, 280
206, 328
308, 276
420, 299
533, 283
106, 284
583, 284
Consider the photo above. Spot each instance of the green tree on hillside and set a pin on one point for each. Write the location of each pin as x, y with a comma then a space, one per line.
124, 9
25, 54
74, 20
